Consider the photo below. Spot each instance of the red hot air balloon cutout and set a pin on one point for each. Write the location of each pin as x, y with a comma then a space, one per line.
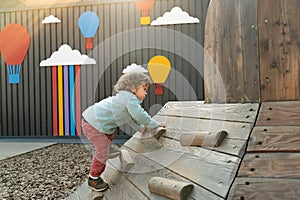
14, 44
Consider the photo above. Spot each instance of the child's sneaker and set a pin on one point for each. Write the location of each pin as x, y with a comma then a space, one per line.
97, 184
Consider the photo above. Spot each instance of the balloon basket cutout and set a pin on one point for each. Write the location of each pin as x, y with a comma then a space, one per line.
88, 23
159, 68
89, 43
14, 74
145, 20
144, 8
14, 43
159, 89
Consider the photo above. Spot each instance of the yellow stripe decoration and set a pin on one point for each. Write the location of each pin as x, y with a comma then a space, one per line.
60, 101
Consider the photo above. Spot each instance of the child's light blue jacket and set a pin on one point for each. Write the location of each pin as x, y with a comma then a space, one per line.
112, 112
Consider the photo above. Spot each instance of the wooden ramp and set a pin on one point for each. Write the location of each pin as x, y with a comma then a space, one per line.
211, 170
271, 166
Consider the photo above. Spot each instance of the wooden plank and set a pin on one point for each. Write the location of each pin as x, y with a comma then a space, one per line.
231, 62
42, 71
141, 181
279, 49
272, 189
36, 70
286, 113
275, 138
227, 112
144, 169
229, 146
279, 165
178, 125
217, 169
26, 86
118, 191
31, 77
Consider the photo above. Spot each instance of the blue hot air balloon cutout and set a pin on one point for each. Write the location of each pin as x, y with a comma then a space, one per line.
88, 23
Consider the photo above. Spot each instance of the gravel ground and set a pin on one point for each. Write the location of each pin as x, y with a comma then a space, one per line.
53, 172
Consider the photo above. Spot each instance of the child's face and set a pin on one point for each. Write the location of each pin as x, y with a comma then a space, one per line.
141, 91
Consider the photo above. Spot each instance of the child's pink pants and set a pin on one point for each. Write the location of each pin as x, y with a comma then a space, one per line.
101, 142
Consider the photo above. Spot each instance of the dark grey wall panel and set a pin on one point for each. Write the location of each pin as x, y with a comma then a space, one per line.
26, 108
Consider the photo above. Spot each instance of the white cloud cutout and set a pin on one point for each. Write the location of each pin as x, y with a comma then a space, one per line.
50, 19
134, 68
66, 56
176, 16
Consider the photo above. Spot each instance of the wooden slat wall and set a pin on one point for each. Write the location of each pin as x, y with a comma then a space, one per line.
279, 49
231, 69
26, 108
270, 168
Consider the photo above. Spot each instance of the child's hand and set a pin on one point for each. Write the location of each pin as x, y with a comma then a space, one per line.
143, 131
161, 124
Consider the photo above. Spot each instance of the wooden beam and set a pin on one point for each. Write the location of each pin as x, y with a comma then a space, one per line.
275, 139
286, 113
264, 188
197, 109
277, 165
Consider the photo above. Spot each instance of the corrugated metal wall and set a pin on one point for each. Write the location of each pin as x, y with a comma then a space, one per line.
26, 108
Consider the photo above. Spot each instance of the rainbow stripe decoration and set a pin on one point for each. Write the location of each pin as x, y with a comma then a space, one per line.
66, 109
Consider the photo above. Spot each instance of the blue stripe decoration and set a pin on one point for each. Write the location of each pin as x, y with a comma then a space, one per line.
72, 100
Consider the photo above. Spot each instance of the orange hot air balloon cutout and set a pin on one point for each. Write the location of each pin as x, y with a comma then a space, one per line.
145, 10
159, 68
14, 44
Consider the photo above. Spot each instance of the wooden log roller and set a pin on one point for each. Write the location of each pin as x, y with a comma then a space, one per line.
211, 139
172, 189
155, 133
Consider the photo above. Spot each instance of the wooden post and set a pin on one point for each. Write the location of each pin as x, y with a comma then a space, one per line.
170, 188
212, 139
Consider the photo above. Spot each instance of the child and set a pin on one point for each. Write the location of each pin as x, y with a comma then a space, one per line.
101, 119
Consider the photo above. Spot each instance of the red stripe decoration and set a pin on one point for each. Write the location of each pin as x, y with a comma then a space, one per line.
78, 100
54, 101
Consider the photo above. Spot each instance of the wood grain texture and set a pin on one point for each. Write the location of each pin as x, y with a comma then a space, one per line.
197, 109
275, 138
285, 113
212, 170
276, 165
264, 188
279, 49
231, 71
234, 147
141, 181
180, 125
144, 169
